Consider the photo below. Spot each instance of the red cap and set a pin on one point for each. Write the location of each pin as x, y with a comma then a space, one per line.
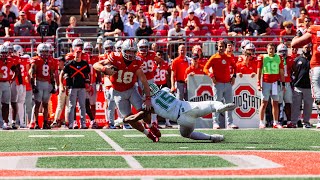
234, 4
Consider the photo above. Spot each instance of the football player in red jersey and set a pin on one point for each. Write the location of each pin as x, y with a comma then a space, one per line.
286, 95
124, 68
247, 63
91, 96
24, 63
109, 101
42, 77
148, 58
7, 65
75, 43
16, 81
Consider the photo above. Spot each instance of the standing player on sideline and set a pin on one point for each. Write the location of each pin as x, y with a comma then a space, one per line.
6, 65
16, 80
286, 95
91, 96
42, 77
270, 70
246, 63
222, 67
124, 69
110, 104
21, 88
183, 112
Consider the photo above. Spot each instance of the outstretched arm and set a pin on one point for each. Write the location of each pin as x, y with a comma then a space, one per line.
135, 117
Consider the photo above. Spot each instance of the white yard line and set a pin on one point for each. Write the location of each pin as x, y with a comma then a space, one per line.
133, 163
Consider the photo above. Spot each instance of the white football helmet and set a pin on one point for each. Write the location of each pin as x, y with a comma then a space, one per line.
143, 46
243, 45
118, 45
88, 47
9, 45
77, 43
4, 51
43, 50
154, 89
108, 46
17, 50
129, 49
249, 49
282, 50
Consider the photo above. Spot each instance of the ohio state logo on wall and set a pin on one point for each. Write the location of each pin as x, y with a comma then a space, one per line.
246, 100
203, 93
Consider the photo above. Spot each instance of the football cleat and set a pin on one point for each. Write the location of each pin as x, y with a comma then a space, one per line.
152, 136
291, 125
215, 138
233, 126
226, 107
277, 126
154, 129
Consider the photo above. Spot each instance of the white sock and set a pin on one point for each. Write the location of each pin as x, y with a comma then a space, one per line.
262, 122
154, 118
146, 132
275, 121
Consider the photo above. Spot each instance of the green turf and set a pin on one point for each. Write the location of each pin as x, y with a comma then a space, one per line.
20, 141
82, 162
182, 162
268, 139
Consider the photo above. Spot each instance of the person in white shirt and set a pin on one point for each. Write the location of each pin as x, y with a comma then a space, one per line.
183, 112
107, 13
204, 13
158, 21
217, 6
176, 36
130, 27
123, 14
290, 13
268, 8
184, 11
174, 18
41, 15
194, 4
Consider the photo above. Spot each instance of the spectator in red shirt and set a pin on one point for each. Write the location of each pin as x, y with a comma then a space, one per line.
191, 22
31, 10
194, 68
288, 31
20, 3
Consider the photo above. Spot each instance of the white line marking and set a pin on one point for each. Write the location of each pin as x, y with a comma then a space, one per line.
56, 136
133, 163
249, 162
52, 148
142, 135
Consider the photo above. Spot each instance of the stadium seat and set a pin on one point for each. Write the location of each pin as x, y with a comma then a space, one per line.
275, 31
191, 34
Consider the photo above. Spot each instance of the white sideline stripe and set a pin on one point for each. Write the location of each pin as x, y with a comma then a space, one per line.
18, 162
55, 136
142, 135
133, 163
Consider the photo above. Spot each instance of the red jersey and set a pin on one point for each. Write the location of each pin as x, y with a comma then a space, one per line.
93, 72
191, 69
43, 68
148, 64
161, 73
31, 11
287, 68
5, 70
315, 59
24, 68
222, 67
269, 78
70, 32
313, 11
244, 68
126, 77
179, 66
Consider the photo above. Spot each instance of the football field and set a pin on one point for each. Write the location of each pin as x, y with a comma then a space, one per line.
128, 154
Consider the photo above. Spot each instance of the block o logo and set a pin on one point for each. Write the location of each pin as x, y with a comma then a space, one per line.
246, 101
